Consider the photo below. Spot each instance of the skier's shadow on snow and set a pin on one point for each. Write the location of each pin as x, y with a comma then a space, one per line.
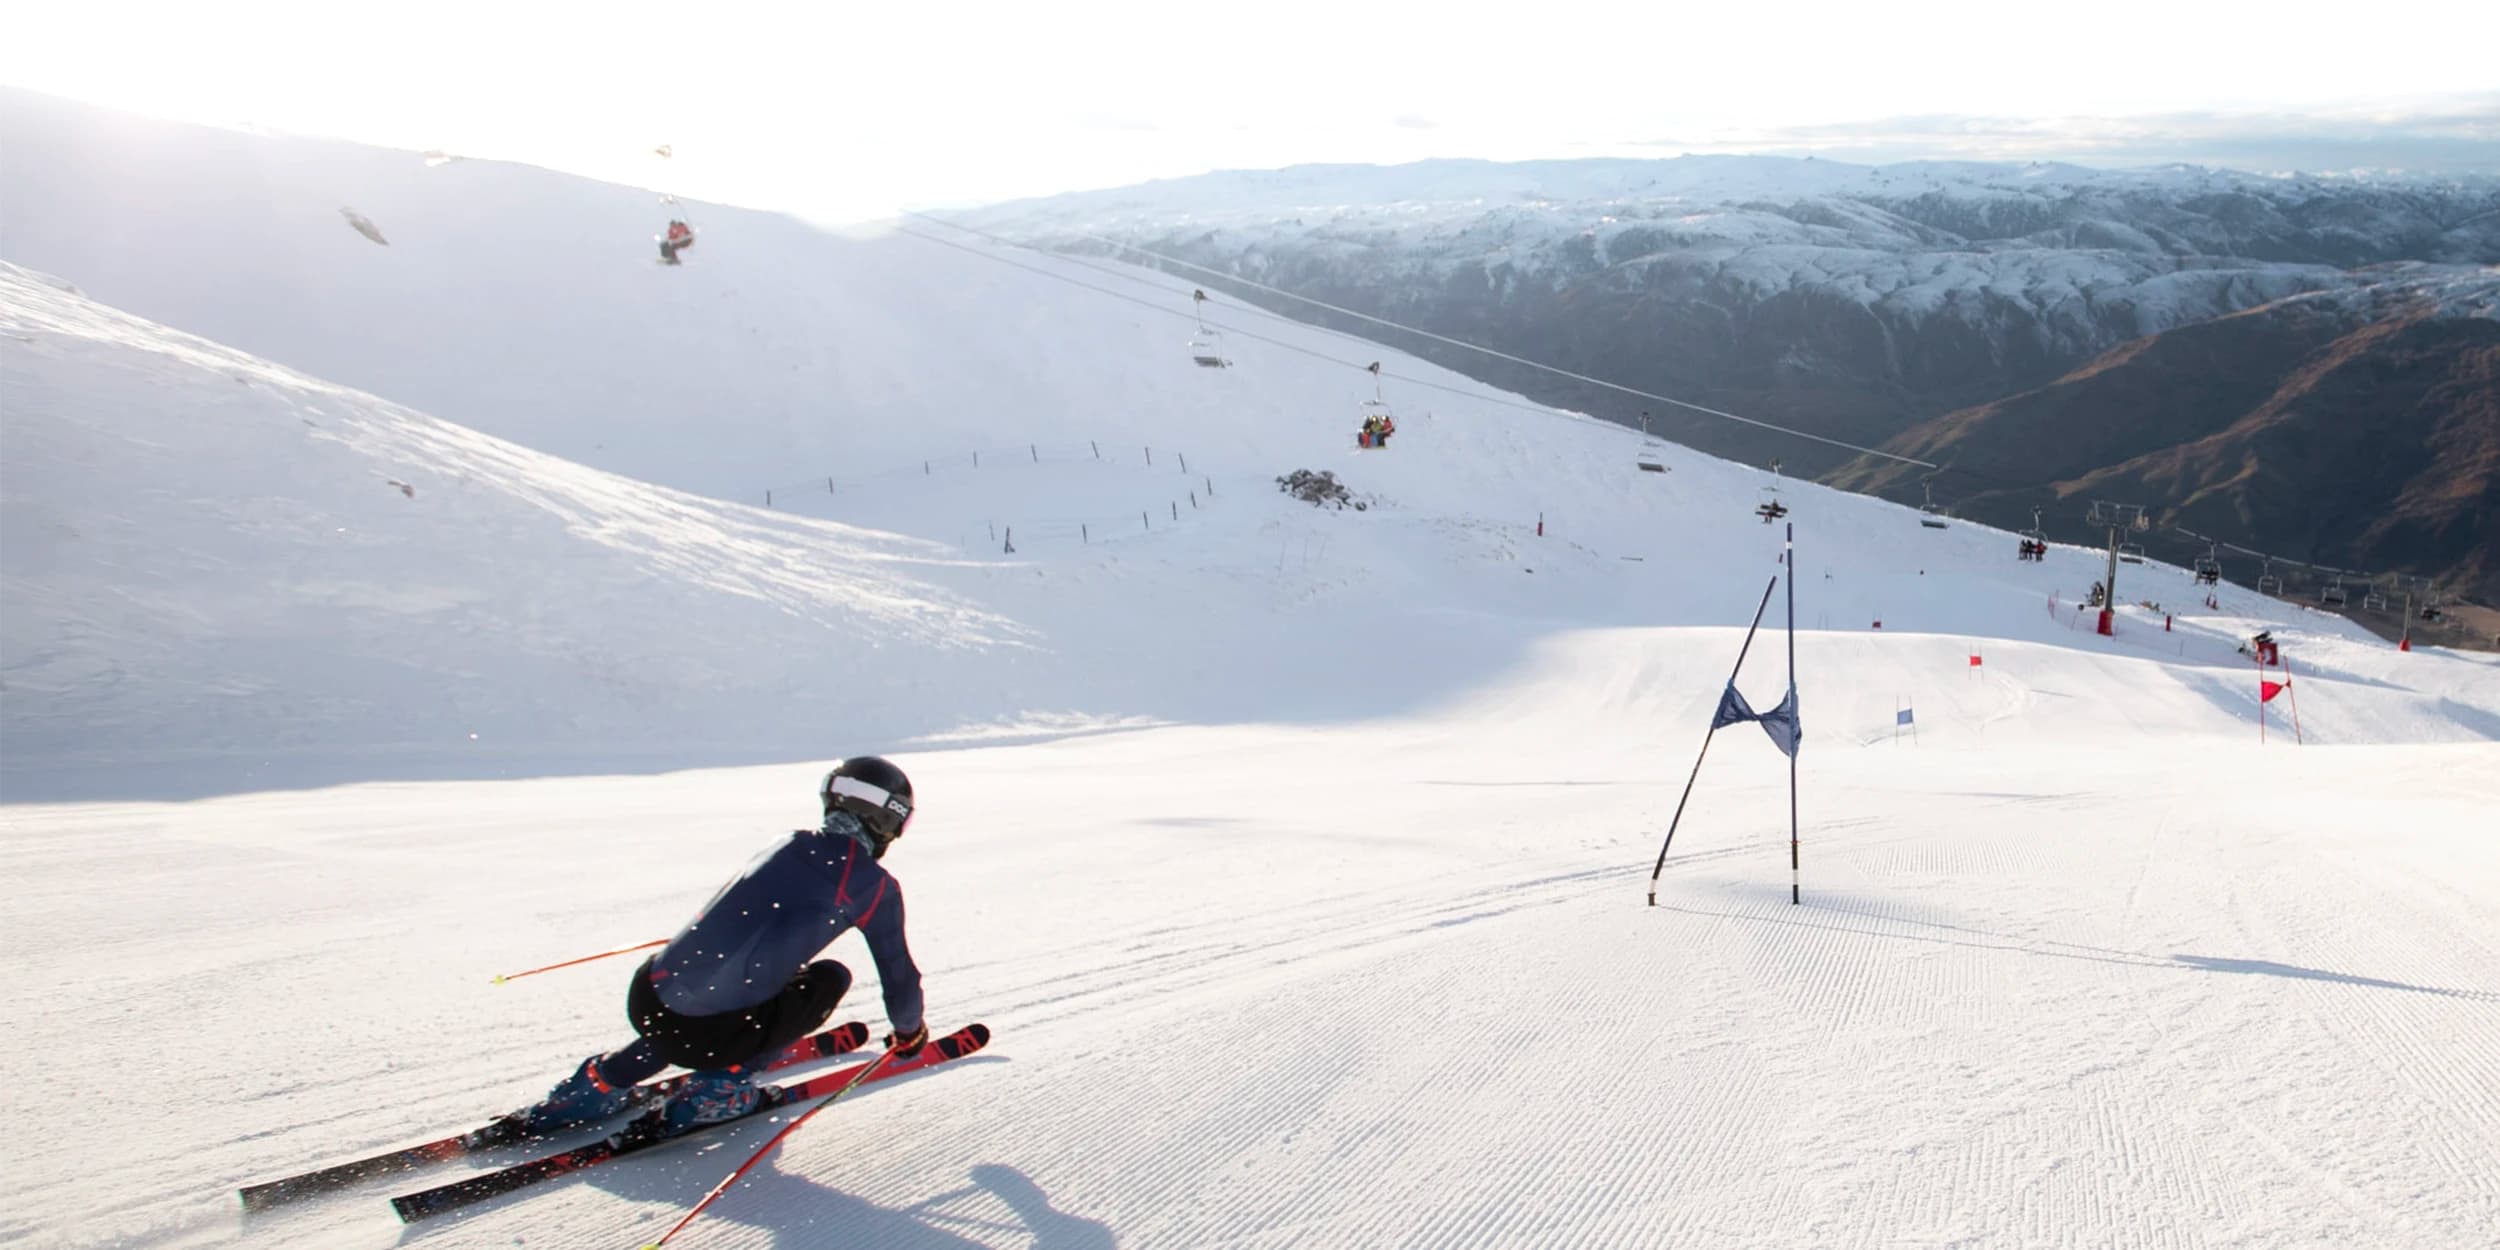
1001, 1206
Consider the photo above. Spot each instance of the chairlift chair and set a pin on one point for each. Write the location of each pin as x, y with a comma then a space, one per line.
2131, 553
1374, 410
1206, 350
2209, 566
2373, 601
2267, 582
2332, 594
1652, 457
1927, 514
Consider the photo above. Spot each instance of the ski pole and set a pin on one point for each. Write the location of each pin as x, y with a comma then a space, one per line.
622, 950
865, 1072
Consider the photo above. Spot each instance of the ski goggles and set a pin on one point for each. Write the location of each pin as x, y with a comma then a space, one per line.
874, 796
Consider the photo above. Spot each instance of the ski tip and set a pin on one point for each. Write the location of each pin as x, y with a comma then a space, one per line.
500, 980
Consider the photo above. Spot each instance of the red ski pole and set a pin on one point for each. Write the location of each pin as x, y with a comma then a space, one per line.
866, 1071
622, 950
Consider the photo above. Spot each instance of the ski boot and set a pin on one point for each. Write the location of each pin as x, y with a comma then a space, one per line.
579, 1099
709, 1097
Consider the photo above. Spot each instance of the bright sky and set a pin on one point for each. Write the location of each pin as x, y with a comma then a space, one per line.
846, 110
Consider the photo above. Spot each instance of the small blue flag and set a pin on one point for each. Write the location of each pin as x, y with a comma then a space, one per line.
1901, 717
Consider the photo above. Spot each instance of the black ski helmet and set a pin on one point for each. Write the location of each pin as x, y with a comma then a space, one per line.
871, 788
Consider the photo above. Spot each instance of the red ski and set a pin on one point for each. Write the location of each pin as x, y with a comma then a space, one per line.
508, 1130
648, 1130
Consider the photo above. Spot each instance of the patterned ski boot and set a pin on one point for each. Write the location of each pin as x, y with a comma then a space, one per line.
579, 1099
709, 1097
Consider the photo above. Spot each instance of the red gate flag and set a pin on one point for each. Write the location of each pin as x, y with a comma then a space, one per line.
1974, 661
2266, 690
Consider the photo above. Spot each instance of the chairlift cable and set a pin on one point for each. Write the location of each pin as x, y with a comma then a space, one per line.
1443, 338
1546, 410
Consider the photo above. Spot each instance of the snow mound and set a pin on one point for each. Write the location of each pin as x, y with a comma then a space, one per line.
210, 555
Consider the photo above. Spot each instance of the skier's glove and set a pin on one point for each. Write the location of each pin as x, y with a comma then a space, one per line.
907, 1045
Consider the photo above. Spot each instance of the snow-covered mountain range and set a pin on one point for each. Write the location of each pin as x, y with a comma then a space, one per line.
1854, 301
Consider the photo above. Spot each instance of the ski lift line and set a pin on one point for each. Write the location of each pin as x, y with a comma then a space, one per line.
1127, 276
1361, 366
1443, 338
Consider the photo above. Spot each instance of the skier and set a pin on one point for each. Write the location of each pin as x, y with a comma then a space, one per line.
680, 237
741, 982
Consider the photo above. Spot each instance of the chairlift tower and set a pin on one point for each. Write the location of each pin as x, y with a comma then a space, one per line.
2115, 517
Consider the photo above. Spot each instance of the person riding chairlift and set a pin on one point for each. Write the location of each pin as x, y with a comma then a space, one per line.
680, 237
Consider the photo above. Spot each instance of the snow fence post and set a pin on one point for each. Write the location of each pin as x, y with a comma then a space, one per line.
768, 499
1011, 540
1184, 460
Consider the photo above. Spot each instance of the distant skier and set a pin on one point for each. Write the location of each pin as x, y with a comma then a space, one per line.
741, 982
680, 237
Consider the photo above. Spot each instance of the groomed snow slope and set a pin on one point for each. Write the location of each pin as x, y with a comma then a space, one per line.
1359, 955
218, 582
1387, 984
2079, 964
